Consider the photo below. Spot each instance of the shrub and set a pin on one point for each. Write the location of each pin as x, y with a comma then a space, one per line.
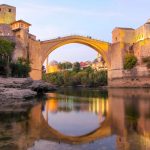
72, 78
6, 49
65, 65
76, 66
130, 61
21, 68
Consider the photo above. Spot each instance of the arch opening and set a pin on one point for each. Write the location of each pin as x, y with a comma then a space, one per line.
101, 47
75, 52
97, 67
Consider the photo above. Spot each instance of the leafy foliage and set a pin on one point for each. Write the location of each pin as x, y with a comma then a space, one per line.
73, 78
21, 68
76, 66
65, 65
6, 49
130, 61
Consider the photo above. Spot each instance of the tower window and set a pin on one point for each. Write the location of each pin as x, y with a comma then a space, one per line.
9, 10
0, 9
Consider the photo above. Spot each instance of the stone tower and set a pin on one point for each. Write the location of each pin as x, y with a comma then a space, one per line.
7, 14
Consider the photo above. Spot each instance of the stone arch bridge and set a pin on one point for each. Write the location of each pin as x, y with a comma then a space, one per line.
39, 51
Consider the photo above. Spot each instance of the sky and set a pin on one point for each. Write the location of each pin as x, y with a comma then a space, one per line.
95, 18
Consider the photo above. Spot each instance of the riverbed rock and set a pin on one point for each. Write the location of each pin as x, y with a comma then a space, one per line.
22, 83
26, 83
16, 100
18, 94
41, 86
12, 93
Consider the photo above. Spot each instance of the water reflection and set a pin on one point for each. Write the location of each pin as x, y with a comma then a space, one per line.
75, 116
120, 121
131, 119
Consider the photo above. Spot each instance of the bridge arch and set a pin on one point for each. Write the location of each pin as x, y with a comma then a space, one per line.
42, 130
100, 46
103, 131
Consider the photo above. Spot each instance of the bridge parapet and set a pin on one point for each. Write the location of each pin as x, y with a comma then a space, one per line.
72, 36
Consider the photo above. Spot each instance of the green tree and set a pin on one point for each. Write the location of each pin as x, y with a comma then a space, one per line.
76, 67
72, 78
65, 65
130, 61
21, 68
6, 47
6, 50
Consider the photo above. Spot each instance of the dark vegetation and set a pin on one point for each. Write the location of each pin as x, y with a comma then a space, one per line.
77, 77
8, 67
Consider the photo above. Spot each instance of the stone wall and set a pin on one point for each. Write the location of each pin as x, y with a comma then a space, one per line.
116, 55
22, 44
5, 30
125, 35
142, 49
129, 82
35, 58
137, 77
142, 32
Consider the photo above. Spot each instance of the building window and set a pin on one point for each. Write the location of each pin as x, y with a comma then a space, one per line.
0, 9
116, 38
9, 10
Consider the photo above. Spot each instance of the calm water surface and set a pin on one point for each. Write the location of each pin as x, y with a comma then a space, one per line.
82, 119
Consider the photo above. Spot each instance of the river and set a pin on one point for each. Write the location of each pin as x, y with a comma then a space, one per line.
81, 119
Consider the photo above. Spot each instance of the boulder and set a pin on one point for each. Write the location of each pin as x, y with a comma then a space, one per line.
41, 86
16, 100
17, 94
26, 83
12, 93
15, 82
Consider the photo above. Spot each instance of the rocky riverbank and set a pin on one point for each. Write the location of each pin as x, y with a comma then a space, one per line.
18, 94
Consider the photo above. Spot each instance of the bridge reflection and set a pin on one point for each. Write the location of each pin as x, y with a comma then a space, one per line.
75, 116
127, 116
98, 106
